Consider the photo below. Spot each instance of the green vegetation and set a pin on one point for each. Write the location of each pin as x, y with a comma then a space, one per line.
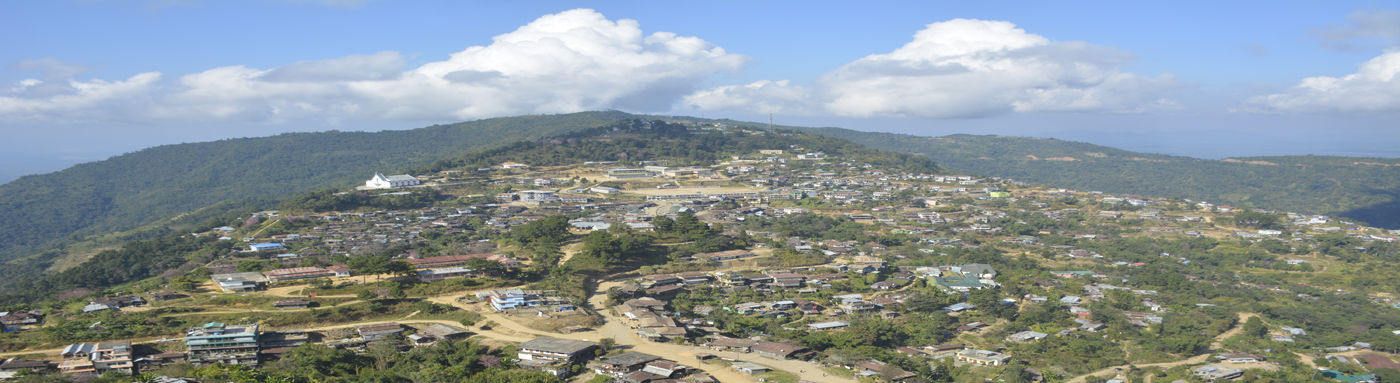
134, 189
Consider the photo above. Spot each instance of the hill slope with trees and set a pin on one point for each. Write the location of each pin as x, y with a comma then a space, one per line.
138, 188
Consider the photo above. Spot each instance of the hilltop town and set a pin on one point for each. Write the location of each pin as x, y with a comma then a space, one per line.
766, 257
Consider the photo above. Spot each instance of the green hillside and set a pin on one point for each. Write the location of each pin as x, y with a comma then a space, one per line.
1359, 188
46, 212
138, 188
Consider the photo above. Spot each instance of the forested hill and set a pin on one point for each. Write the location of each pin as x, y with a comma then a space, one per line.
1365, 189
137, 188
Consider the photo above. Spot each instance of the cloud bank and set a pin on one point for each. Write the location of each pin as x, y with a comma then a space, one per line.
566, 62
1374, 88
961, 68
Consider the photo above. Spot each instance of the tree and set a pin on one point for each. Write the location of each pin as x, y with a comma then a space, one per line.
1254, 328
1387, 375
366, 295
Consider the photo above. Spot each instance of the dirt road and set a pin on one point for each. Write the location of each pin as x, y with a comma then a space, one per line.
1216, 345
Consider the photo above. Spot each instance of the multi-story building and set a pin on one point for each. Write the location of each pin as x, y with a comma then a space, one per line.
546, 348
97, 358
511, 298
77, 359
216, 342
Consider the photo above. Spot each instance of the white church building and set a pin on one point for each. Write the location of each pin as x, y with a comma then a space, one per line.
381, 181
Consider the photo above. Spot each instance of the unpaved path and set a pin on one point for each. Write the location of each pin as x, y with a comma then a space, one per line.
1216, 345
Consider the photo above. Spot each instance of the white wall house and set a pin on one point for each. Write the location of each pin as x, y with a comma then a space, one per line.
381, 181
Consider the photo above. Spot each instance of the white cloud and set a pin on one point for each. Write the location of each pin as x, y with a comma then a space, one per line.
566, 62
1374, 88
974, 68
74, 100
1364, 30
761, 96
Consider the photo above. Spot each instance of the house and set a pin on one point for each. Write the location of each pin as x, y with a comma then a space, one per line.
750, 368
291, 304
1236, 357
99, 307
979, 270
77, 359
372, 332
1026, 336
873, 367
266, 247
664, 291
18, 364
380, 181
723, 255
121, 301
430, 275
21, 318
983, 357
788, 279
1215, 372
622, 364
781, 350
944, 348
733, 344
693, 277
959, 307
1032, 298
339, 270
240, 282
459, 260
546, 348
885, 285
165, 296
297, 273
825, 326
444, 332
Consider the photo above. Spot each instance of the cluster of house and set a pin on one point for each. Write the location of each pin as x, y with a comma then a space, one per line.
427, 269
113, 303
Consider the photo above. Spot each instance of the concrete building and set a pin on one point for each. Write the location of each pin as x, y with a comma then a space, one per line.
380, 181
240, 282
983, 357
216, 342
1216, 372
546, 348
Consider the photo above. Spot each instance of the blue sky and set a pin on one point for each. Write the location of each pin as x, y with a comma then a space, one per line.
85, 80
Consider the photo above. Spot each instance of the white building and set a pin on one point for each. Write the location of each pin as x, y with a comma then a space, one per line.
381, 181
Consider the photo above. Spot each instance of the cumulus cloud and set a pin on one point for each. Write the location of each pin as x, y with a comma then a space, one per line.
969, 68
1374, 88
59, 94
566, 62
1364, 30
